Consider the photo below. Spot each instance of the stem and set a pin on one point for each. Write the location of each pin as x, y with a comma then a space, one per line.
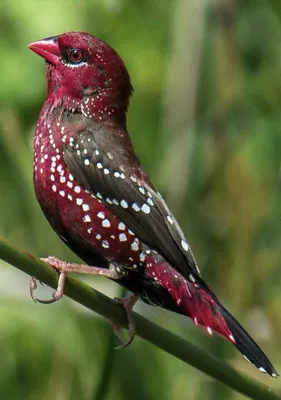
108, 364
162, 338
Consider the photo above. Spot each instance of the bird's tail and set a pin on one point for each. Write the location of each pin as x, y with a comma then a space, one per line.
206, 310
247, 346
200, 304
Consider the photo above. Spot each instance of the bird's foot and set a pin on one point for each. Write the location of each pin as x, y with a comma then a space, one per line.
128, 303
64, 268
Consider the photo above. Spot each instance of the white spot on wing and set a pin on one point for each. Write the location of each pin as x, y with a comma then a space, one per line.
135, 207
184, 245
145, 208
123, 203
170, 220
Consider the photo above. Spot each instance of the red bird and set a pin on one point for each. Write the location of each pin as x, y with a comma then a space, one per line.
97, 196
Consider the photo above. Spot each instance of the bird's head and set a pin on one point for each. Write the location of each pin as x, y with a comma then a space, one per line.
85, 74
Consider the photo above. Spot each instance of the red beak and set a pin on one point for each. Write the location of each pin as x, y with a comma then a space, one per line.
47, 48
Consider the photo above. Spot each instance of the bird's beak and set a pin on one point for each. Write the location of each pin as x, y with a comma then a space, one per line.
47, 48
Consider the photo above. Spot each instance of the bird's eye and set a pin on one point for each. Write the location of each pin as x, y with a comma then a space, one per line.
76, 56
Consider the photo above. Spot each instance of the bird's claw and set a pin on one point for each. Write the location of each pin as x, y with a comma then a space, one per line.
57, 295
128, 303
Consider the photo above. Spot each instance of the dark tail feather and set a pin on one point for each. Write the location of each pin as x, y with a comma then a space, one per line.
198, 302
247, 346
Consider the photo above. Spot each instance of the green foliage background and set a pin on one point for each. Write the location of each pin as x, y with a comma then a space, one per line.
205, 120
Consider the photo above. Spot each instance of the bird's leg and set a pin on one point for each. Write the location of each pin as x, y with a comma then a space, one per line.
128, 303
64, 268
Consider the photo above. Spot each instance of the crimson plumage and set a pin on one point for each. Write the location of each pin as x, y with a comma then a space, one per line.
97, 196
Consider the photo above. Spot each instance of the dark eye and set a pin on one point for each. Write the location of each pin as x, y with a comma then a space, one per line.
76, 56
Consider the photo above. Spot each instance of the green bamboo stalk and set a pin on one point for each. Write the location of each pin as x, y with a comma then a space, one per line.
103, 386
162, 338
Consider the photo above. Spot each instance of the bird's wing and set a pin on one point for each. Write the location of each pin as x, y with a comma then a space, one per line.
107, 177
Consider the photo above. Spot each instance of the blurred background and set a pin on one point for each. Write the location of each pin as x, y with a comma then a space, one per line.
205, 120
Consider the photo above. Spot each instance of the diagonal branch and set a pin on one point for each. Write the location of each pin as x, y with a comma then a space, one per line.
162, 338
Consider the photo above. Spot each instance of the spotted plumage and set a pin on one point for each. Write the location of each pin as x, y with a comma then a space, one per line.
98, 198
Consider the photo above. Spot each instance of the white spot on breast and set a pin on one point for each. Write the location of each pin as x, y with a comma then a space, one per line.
106, 171
135, 245
70, 184
79, 201
123, 203
106, 223
99, 165
101, 215
69, 197
121, 226
98, 236
85, 207
54, 188
99, 196
77, 189
123, 237
145, 208
131, 232
62, 179
105, 244
184, 245
86, 161
116, 174
89, 230
62, 193
87, 218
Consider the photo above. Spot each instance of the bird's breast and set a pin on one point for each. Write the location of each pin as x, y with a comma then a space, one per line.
74, 212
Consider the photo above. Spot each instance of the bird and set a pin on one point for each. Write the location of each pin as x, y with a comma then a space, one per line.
99, 199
